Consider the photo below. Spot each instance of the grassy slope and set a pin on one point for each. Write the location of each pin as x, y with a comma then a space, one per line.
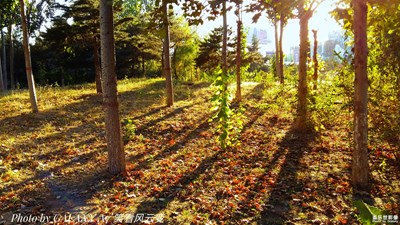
56, 160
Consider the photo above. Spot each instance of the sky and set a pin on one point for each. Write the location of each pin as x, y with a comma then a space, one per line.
321, 21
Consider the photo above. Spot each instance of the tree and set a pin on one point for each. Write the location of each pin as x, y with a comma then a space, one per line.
238, 13
1, 78
360, 167
9, 15
315, 60
164, 11
224, 40
139, 48
167, 58
305, 12
210, 49
11, 43
184, 47
8, 9
28, 64
254, 57
4, 61
85, 30
278, 12
384, 70
116, 155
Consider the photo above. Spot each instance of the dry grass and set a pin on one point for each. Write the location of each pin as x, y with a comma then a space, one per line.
56, 160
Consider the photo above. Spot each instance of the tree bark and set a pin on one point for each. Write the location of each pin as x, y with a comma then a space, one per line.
28, 63
97, 67
116, 155
315, 60
277, 68
301, 120
1, 78
398, 85
143, 67
360, 167
224, 40
12, 79
239, 61
174, 62
4, 61
167, 58
281, 76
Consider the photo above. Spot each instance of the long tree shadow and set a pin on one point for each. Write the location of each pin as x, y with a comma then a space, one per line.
174, 191
173, 148
90, 180
144, 127
138, 98
256, 93
163, 198
278, 205
59, 193
63, 119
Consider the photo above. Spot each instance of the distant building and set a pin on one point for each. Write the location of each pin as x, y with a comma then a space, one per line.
320, 49
269, 54
295, 54
262, 36
335, 43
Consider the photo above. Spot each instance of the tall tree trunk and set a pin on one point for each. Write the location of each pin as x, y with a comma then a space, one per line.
133, 68
239, 61
116, 155
167, 59
1, 78
224, 40
301, 119
3, 40
12, 79
360, 167
277, 68
97, 67
143, 67
28, 64
62, 77
281, 76
315, 60
174, 63
398, 85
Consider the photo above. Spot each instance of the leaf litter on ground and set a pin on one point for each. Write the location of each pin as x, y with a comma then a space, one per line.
56, 161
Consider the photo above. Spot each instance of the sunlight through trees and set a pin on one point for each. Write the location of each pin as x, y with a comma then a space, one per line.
203, 117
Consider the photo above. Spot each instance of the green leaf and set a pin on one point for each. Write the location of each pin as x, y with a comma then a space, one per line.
366, 212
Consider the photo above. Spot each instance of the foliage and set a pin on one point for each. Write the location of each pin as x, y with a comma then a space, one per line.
384, 70
209, 56
276, 10
366, 212
383, 67
38, 12
184, 42
128, 129
229, 122
327, 102
136, 7
9, 12
138, 48
254, 57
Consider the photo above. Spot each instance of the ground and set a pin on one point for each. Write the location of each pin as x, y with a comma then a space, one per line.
55, 162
